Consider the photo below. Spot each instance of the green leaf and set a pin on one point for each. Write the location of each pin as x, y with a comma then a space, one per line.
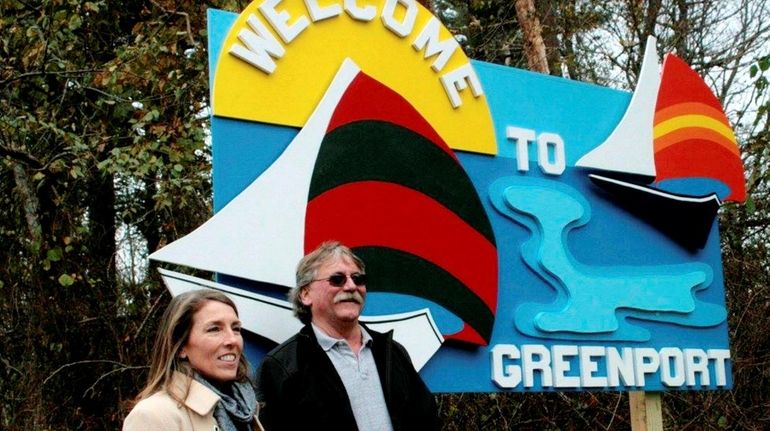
66, 280
722, 422
104, 164
75, 22
76, 172
54, 254
764, 63
750, 206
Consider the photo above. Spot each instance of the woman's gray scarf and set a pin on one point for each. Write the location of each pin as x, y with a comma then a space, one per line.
233, 411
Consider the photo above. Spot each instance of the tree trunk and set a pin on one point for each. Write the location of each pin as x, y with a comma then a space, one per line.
549, 12
101, 196
29, 202
681, 30
653, 10
149, 226
534, 47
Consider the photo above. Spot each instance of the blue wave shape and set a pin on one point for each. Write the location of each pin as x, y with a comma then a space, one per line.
593, 302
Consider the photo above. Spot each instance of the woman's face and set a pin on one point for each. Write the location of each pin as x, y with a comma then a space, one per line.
215, 344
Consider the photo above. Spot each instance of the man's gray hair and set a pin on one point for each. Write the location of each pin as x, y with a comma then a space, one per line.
307, 272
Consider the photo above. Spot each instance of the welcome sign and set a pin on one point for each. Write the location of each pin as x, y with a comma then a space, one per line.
521, 232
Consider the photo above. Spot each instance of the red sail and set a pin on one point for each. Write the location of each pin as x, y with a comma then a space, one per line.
692, 136
388, 186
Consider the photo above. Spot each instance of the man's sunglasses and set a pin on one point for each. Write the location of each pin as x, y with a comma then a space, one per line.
338, 279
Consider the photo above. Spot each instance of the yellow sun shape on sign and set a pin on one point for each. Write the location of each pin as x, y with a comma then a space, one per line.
280, 56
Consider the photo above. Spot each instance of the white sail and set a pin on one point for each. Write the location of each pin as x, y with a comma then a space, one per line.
629, 148
273, 319
260, 234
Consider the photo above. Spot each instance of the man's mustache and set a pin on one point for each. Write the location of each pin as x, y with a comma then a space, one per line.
349, 296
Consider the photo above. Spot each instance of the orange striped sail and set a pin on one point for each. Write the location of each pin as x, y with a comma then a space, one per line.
692, 136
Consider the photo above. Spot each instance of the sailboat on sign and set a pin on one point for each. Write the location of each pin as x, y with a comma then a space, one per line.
356, 172
674, 135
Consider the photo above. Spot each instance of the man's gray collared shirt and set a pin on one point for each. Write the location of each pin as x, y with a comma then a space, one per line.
360, 378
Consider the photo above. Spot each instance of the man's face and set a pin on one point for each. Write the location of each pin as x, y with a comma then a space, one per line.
334, 308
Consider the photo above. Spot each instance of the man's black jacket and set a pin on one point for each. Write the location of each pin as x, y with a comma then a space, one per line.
301, 390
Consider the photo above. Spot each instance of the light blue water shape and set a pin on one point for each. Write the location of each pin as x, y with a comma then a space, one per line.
589, 298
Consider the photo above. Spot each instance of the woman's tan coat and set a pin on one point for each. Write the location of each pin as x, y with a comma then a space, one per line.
161, 412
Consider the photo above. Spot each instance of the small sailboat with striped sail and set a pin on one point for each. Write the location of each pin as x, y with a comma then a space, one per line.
673, 158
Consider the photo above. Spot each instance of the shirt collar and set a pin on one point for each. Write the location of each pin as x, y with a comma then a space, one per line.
327, 342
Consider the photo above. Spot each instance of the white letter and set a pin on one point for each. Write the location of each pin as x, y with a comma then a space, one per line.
696, 362
645, 367
620, 366
530, 364
454, 82
505, 376
317, 13
522, 137
429, 37
561, 366
667, 354
400, 28
360, 13
259, 44
720, 356
543, 141
588, 367
279, 21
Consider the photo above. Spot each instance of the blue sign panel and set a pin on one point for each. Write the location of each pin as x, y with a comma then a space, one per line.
521, 232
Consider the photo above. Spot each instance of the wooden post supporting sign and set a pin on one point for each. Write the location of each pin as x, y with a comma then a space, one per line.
646, 411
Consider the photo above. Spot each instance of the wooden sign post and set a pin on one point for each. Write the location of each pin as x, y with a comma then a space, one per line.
646, 411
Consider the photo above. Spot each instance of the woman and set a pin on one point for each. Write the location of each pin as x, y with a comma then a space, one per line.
198, 376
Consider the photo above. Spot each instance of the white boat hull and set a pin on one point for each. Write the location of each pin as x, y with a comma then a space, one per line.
273, 318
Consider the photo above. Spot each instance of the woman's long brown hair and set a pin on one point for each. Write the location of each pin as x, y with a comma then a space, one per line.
172, 335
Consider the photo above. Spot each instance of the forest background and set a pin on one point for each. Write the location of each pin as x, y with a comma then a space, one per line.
104, 158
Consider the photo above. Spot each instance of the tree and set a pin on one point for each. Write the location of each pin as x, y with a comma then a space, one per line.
534, 47
103, 127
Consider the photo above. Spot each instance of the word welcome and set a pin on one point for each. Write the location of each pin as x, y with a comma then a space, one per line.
606, 367
260, 48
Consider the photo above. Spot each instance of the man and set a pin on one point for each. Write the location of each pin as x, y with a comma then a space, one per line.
335, 373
